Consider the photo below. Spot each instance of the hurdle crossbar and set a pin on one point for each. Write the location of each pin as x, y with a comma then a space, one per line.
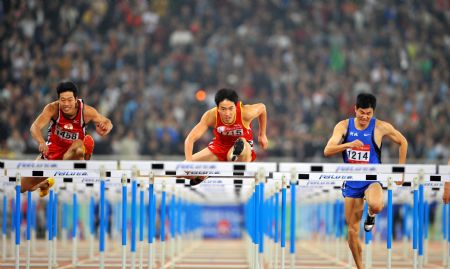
358, 168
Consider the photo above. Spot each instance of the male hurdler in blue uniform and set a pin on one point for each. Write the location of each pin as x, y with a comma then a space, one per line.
359, 140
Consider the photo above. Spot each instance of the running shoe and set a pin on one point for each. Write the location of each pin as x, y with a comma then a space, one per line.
237, 149
369, 223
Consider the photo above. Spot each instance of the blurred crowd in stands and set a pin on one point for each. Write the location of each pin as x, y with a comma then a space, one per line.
140, 63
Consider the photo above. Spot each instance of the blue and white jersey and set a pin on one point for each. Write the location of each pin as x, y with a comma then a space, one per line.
369, 153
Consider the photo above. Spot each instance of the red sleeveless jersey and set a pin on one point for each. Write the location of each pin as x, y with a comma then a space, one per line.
63, 131
226, 134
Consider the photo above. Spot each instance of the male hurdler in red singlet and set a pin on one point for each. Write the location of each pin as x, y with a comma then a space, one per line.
66, 119
233, 136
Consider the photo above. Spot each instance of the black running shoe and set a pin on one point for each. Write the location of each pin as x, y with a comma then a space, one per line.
369, 223
197, 180
237, 149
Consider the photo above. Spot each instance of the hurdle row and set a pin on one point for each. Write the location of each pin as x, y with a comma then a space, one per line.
212, 170
183, 208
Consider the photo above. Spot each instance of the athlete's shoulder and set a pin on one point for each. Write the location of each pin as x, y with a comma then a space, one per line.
384, 126
251, 111
53, 104
211, 112
343, 124
209, 117
250, 106
341, 128
52, 107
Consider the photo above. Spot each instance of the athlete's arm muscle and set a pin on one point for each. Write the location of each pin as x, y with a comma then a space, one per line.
257, 111
103, 124
42, 121
393, 134
335, 145
208, 119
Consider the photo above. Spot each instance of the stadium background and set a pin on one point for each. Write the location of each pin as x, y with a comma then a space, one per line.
141, 63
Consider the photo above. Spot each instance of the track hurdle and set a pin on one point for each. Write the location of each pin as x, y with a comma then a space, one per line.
320, 174
170, 180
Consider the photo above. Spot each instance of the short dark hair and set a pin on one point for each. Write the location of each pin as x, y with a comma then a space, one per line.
366, 100
227, 94
67, 86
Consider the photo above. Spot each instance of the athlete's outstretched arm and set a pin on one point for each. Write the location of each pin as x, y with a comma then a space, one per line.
258, 111
208, 119
335, 145
42, 121
396, 137
104, 125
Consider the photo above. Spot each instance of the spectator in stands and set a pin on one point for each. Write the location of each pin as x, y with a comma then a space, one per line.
303, 59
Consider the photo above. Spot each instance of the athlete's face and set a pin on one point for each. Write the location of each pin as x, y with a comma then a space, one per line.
364, 115
67, 103
227, 111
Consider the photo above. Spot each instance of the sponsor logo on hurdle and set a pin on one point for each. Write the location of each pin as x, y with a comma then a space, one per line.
183, 166
355, 169
69, 173
339, 177
321, 183
198, 173
97, 180
8, 184
213, 181
36, 165
433, 184
192, 169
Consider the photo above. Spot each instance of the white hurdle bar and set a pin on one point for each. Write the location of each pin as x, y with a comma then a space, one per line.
323, 179
359, 168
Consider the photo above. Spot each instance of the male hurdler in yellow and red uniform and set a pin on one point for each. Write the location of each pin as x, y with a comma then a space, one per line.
233, 136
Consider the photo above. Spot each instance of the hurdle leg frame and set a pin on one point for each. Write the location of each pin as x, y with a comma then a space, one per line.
5, 201
448, 236
49, 227
390, 224
91, 225
29, 208
283, 224
293, 184
124, 221
17, 222
74, 227
54, 231
151, 220
163, 221
3, 246
102, 220
133, 221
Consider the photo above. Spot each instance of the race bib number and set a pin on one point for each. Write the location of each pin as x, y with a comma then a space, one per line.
65, 134
229, 131
359, 155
